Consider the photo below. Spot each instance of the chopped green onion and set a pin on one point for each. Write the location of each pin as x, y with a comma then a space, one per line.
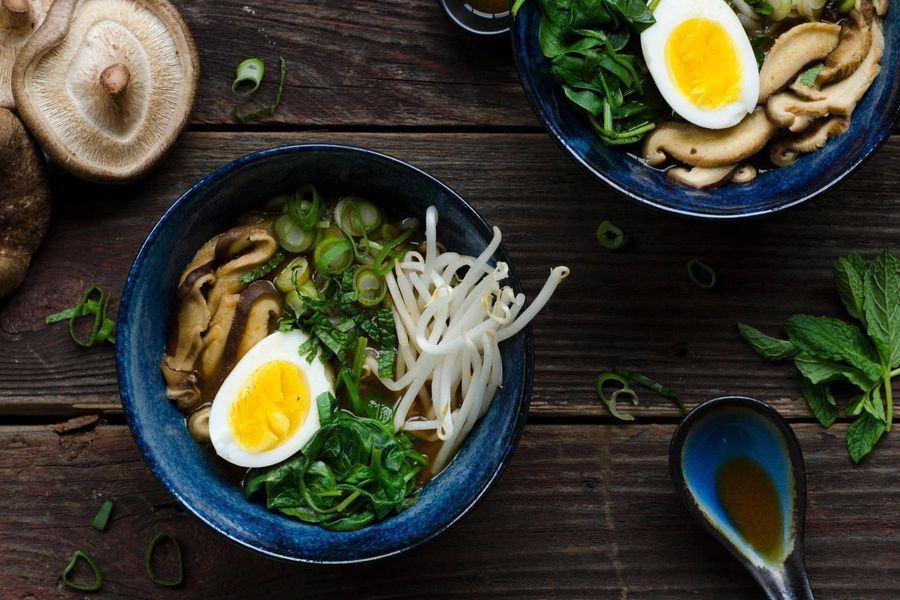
357, 216
81, 587
653, 386
102, 518
369, 286
94, 302
148, 560
610, 236
262, 270
701, 274
295, 274
846, 6
249, 73
359, 359
386, 251
269, 110
291, 237
387, 232
295, 298
610, 401
333, 256
305, 207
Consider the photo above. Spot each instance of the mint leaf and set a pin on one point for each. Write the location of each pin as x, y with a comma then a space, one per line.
833, 339
850, 279
882, 306
809, 76
862, 435
856, 405
768, 347
820, 401
874, 406
819, 370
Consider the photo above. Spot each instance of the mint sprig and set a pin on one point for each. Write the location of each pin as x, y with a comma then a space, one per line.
863, 355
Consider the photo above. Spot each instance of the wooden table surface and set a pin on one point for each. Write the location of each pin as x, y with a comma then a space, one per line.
586, 508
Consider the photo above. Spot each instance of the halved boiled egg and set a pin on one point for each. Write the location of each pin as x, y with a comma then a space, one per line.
702, 62
266, 409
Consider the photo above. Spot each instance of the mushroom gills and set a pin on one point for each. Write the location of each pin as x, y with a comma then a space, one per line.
699, 147
19, 19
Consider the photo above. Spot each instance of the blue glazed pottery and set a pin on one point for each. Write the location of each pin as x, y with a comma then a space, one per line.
196, 477
773, 190
723, 430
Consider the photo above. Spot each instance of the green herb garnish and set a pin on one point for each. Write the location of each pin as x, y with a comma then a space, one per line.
82, 587
248, 76
864, 356
595, 55
811, 75
625, 379
305, 207
701, 274
268, 111
610, 236
148, 560
353, 472
102, 518
262, 270
94, 302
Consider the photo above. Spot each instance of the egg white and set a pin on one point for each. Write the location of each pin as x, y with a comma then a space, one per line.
279, 346
669, 14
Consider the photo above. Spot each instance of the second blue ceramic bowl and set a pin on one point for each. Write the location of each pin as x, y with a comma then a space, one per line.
195, 477
777, 189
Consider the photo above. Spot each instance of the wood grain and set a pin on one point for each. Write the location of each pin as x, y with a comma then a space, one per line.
582, 512
397, 63
635, 308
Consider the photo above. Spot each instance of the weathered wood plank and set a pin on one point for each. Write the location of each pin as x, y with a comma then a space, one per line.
635, 308
390, 63
583, 511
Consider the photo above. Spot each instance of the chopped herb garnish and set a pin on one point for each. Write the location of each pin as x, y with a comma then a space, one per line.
610, 236
701, 274
269, 110
811, 75
102, 518
82, 587
625, 379
864, 356
262, 270
148, 560
94, 302
654, 386
248, 77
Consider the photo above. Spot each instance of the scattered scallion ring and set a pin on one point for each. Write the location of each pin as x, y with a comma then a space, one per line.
387, 253
249, 72
267, 111
81, 587
610, 401
369, 286
291, 237
333, 256
292, 276
101, 520
305, 207
148, 560
94, 302
701, 274
610, 236
357, 216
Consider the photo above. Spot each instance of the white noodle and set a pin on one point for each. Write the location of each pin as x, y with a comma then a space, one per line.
448, 331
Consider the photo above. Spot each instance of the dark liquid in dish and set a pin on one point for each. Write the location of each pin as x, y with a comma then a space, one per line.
750, 500
489, 6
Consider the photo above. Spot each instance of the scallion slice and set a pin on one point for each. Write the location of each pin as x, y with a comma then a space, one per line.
291, 237
333, 256
610, 236
269, 110
369, 286
701, 274
148, 560
101, 520
292, 276
305, 207
81, 587
94, 302
357, 216
610, 401
248, 76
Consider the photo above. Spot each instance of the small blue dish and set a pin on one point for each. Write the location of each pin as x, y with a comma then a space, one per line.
194, 476
713, 436
772, 191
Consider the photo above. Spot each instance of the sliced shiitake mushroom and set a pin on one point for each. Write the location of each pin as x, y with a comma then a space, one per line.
744, 174
881, 7
702, 177
237, 251
700, 147
198, 424
785, 151
793, 50
838, 99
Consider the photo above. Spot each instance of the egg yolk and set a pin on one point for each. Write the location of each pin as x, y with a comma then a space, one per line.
703, 63
270, 407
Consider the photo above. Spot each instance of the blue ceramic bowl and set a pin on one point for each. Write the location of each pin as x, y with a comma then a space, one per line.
191, 473
774, 190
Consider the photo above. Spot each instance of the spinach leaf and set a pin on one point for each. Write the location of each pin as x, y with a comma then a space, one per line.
882, 307
768, 347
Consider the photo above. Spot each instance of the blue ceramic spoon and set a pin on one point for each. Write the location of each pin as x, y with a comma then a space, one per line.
716, 447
